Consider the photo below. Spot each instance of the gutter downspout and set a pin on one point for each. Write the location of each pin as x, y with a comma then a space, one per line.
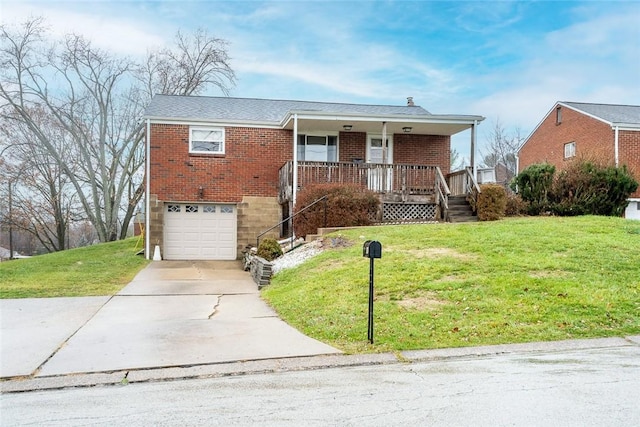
147, 215
294, 190
616, 146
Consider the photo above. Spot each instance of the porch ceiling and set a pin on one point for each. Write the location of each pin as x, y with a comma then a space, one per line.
429, 125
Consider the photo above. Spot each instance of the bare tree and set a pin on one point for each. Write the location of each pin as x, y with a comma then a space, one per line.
98, 100
457, 162
502, 147
43, 201
196, 63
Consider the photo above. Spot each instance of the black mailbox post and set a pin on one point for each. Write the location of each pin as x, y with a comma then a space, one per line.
371, 249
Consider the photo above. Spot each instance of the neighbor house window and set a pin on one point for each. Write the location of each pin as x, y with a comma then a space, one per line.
569, 150
206, 140
318, 148
558, 115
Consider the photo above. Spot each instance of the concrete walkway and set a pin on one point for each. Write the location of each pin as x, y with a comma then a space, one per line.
173, 314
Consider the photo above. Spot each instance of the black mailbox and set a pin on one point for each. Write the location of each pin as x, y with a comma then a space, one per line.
372, 249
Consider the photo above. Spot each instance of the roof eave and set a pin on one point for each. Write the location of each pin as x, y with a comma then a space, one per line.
626, 126
390, 118
200, 120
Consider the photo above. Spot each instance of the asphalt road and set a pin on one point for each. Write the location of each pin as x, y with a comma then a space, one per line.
587, 387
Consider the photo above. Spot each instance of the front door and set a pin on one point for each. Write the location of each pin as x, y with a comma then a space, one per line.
380, 177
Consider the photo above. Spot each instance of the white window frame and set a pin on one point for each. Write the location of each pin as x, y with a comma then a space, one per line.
324, 135
371, 136
221, 141
570, 150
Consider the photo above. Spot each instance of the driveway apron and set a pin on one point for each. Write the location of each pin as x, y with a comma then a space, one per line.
181, 313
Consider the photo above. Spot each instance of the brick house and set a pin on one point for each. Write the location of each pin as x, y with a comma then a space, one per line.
601, 132
221, 170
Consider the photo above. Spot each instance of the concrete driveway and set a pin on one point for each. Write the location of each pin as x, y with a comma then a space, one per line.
174, 313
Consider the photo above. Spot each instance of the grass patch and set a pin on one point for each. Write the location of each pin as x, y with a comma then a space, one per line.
96, 270
452, 285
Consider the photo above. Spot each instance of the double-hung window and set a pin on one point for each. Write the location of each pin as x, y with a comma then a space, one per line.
206, 140
318, 148
569, 150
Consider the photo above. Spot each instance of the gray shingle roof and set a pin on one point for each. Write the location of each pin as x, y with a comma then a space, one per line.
258, 110
629, 114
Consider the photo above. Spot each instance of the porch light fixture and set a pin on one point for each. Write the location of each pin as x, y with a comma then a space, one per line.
347, 127
406, 129
201, 192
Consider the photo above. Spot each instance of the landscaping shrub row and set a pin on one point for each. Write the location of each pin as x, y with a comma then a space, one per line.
583, 188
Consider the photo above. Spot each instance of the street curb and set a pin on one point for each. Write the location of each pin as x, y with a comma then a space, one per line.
249, 367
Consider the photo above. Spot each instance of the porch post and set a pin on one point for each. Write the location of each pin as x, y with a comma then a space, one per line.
294, 190
473, 148
384, 142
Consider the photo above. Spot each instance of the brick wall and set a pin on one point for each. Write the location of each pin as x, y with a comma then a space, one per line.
353, 145
432, 150
249, 166
629, 154
594, 141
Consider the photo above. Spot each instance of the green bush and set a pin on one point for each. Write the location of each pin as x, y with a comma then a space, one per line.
582, 188
585, 188
347, 205
269, 249
492, 202
535, 186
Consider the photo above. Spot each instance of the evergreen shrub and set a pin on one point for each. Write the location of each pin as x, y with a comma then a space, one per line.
269, 249
535, 185
586, 188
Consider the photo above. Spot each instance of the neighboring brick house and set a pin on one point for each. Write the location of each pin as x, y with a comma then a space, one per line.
601, 132
221, 170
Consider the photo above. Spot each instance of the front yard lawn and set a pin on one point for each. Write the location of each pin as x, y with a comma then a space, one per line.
451, 285
101, 269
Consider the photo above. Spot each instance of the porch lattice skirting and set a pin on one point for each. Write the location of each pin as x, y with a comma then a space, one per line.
408, 211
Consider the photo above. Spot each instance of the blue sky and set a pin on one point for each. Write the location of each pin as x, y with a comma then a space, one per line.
506, 60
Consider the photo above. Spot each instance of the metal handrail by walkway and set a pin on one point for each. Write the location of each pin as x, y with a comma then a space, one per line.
323, 198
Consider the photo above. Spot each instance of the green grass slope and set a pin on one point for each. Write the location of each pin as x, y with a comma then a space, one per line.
450, 285
101, 269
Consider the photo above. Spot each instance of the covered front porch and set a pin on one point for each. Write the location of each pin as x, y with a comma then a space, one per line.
407, 192
403, 154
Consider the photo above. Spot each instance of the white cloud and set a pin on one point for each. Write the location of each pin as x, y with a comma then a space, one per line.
593, 60
120, 35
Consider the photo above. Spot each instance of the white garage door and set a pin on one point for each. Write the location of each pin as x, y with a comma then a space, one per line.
199, 231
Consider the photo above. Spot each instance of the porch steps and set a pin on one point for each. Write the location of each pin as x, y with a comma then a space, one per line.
460, 210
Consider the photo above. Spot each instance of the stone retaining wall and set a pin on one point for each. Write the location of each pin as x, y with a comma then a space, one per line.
260, 271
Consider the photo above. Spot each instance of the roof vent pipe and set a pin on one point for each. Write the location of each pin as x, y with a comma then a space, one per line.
410, 101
